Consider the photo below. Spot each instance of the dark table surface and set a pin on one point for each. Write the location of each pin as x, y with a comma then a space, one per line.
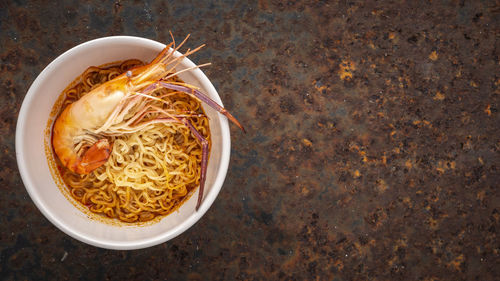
372, 150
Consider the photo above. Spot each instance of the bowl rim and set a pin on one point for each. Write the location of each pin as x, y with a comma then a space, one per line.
30, 184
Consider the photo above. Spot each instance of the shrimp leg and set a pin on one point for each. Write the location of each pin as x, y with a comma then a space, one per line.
96, 155
199, 95
204, 158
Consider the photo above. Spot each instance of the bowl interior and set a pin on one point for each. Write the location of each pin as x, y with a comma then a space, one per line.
32, 154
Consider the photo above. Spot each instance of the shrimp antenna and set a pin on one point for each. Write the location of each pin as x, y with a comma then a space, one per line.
172, 36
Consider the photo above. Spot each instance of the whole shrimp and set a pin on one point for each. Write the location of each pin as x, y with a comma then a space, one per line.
80, 132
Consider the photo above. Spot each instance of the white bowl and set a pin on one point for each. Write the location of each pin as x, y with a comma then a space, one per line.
32, 153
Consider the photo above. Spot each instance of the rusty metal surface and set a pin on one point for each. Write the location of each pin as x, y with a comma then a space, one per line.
372, 150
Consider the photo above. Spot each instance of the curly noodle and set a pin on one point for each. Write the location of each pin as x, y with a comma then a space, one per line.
150, 172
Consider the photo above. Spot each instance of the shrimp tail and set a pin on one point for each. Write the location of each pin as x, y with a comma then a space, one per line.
95, 156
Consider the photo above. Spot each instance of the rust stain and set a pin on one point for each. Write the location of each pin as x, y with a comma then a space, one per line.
480, 195
356, 174
433, 224
439, 96
346, 69
263, 5
304, 191
391, 262
319, 87
433, 56
422, 123
457, 262
443, 166
381, 186
307, 142
407, 201
338, 264
487, 110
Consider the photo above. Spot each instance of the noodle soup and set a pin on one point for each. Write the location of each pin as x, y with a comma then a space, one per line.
149, 173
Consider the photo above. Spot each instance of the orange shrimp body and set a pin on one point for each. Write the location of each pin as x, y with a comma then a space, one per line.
86, 114
79, 135
90, 112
